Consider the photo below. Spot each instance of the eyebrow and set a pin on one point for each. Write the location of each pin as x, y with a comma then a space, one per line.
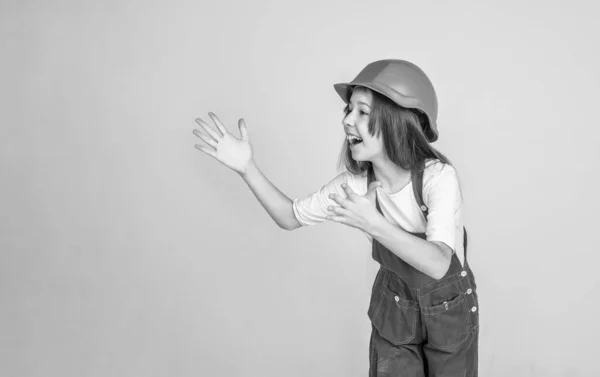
363, 104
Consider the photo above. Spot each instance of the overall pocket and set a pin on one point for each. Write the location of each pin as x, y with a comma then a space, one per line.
448, 323
394, 317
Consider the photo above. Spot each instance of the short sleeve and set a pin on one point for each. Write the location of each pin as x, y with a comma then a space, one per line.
312, 209
442, 195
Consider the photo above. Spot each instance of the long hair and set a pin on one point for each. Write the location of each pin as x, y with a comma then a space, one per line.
403, 138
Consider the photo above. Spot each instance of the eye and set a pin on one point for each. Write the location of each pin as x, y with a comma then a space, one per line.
348, 110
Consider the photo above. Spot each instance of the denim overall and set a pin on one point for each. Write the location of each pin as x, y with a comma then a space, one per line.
422, 326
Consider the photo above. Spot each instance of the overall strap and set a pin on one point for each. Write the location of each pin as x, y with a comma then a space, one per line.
371, 178
417, 183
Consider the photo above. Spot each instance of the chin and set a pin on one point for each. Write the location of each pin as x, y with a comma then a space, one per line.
358, 157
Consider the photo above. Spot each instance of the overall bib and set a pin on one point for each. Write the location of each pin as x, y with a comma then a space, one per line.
422, 326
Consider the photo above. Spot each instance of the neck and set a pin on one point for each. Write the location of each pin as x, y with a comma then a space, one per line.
392, 177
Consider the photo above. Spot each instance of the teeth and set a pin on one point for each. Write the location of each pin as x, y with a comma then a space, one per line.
352, 137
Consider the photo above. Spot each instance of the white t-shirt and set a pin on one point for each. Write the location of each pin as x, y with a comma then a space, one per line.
441, 194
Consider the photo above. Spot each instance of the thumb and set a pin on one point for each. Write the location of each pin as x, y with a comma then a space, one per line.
243, 130
372, 187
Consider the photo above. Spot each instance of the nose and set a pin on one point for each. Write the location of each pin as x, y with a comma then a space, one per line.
348, 120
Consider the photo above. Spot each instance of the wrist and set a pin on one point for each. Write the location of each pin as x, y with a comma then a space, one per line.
378, 226
250, 170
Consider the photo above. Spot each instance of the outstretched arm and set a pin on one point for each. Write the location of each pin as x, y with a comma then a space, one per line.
276, 203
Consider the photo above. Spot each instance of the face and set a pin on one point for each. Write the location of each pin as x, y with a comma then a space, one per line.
356, 122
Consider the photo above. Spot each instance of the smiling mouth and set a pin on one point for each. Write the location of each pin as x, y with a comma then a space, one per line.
353, 140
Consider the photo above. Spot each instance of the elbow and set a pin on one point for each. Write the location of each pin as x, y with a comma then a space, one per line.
443, 262
441, 272
284, 227
290, 226
289, 221
442, 268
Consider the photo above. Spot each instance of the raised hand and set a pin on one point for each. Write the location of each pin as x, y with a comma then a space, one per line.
357, 211
234, 153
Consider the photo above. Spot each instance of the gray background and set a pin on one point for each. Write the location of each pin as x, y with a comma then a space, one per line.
124, 251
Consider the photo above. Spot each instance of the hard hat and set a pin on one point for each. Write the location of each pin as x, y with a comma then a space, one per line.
402, 82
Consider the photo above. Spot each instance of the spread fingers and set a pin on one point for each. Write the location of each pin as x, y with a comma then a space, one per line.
208, 140
208, 129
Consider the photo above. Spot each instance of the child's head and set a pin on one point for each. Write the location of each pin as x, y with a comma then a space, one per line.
392, 106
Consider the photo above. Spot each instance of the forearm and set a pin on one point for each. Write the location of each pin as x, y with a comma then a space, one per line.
425, 256
277, 204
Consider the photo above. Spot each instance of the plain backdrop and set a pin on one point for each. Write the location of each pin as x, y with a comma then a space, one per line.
125, 251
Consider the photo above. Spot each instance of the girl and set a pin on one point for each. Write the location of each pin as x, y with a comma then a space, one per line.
405, 196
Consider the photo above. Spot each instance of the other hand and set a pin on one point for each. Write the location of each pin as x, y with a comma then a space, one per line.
357, 211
